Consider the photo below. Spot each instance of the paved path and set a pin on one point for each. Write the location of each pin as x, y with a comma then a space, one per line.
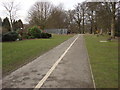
72, 71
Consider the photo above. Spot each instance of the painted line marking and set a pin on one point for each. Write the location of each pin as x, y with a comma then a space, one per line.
90, 67
54, 66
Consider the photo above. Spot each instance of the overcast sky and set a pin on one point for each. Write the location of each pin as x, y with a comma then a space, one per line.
26, 4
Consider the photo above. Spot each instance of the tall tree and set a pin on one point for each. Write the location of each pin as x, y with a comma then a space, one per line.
91, 7
118, 20
11, 10
39, 13
20, 24
57, 19
78, 16
6, 25
72, 27
113, 10
17, 25
83, 11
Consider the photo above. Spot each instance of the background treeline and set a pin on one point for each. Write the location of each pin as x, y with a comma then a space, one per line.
86, 17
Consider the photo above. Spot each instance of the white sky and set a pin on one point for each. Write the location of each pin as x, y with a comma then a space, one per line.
26, 4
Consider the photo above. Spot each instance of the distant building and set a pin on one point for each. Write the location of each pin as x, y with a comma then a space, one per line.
56, 31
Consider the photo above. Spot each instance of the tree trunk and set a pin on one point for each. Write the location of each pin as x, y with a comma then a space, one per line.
113, 27
11, 24
79, 29
113, 20
92, 20
83, 23
91, 28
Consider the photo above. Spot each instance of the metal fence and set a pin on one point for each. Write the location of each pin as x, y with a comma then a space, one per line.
56, 31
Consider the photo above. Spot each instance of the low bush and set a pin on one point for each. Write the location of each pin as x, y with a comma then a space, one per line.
19, 37
10, 36
30, 37
25, 35
34, 32
50, 35
45, 35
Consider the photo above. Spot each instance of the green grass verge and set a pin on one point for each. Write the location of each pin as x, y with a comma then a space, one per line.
104, 60
15, 54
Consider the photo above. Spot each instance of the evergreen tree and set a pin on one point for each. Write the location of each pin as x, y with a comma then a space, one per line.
6, 25
20, 24
17, 25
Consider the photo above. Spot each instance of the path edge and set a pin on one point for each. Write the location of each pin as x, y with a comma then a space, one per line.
88, 58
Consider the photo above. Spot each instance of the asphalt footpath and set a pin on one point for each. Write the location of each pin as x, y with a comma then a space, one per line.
73, 71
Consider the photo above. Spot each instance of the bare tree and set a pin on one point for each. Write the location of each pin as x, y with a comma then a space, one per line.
78, 16
39, 13
58, 18
83, 11
11, 10
111, 9
91, 7
71, 23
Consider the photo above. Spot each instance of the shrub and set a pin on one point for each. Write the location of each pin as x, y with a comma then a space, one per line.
19, 37
10, 36
34, 32
45, 35
30, 37
50, 35
25, 35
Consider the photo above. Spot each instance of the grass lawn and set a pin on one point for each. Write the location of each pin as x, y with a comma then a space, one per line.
104, 60
16, 54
